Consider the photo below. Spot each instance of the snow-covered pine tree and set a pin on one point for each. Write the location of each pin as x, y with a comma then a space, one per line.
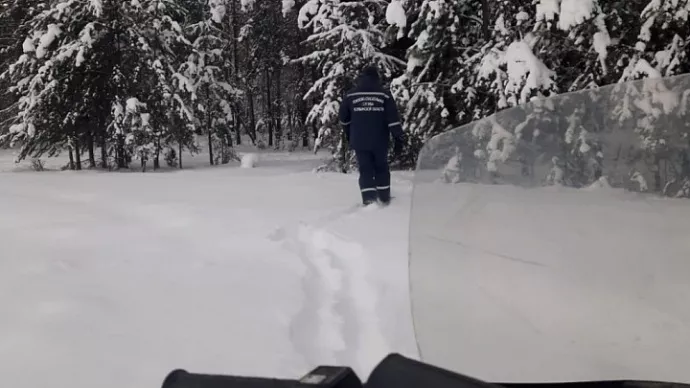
506, 72
579, 41
247, 82
662, 156
265, 35
13, 27
82, 63
575, 39
48, 77
167, 119
345, 37
298, 77
661, 39
593, 43
209, 80
437, 88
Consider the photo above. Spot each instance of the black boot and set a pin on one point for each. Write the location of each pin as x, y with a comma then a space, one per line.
369, 196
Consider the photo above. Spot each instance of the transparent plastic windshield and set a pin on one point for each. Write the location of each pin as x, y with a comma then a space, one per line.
551, 241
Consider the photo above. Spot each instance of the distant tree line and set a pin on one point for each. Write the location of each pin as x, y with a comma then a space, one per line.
112, 82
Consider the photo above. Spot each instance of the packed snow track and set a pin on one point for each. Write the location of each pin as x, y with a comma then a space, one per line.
114, 279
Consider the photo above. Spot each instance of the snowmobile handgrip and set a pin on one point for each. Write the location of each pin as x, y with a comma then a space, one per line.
321, 377
183, 379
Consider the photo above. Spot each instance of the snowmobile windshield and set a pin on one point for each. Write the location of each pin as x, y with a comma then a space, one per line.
550, 242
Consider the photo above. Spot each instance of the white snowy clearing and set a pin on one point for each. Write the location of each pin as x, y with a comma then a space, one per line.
265, 271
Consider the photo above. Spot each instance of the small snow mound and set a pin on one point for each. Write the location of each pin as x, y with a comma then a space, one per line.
601, 183
250, 160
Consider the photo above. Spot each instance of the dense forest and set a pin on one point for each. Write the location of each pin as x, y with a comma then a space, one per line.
117, 82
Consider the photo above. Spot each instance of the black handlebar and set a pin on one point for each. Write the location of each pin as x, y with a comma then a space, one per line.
395, 371
321, 377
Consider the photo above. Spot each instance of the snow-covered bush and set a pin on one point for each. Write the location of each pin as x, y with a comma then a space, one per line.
37, 164
250, 160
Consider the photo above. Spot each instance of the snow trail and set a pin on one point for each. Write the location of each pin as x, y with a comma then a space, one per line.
338, 320
350, 257
348, 293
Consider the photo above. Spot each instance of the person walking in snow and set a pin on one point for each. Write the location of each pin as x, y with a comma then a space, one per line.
369, 116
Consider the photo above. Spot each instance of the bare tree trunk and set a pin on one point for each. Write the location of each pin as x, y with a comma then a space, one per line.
252, 118
657, 174
314, 78
104, 154
210, 148
91, 147
269, 107
279, 109
179, 155
238, 127
302, 108
685, 164
303, 124
290, 130
71, 157
235, 34
77, 154
238, 130
121, 157
120, 145
157, 155
301, 103
225, 144
210, 133
103, 142
486, 19
235, 64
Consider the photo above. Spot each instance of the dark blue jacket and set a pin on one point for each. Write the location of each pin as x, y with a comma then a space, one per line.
369, 115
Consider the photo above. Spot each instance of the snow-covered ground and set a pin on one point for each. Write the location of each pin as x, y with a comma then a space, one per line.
114, 279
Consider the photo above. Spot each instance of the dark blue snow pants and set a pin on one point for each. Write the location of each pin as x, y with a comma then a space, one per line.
374, 176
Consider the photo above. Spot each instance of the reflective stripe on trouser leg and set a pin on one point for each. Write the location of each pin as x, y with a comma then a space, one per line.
382, 176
